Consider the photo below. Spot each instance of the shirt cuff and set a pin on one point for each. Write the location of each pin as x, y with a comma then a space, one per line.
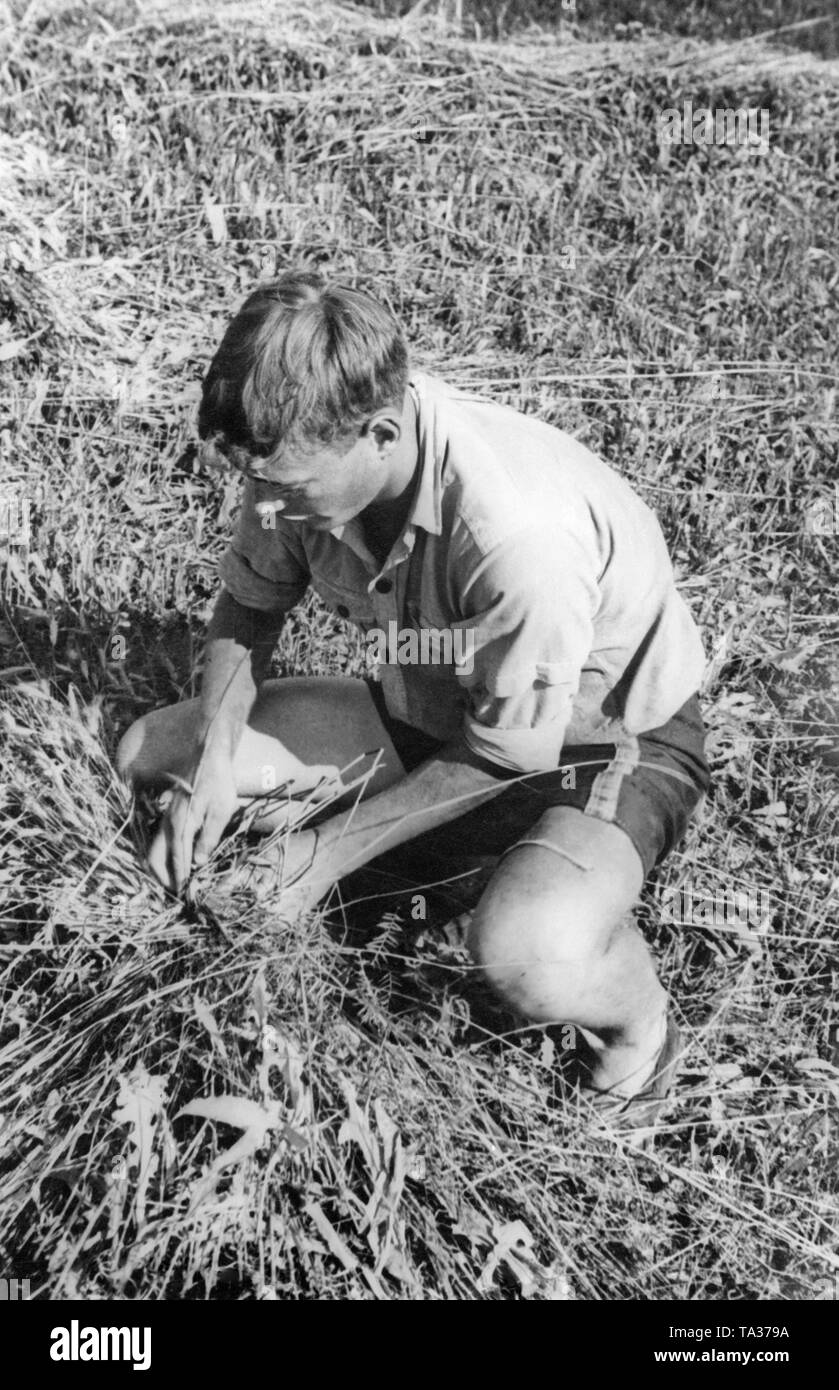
521, 751
252, 589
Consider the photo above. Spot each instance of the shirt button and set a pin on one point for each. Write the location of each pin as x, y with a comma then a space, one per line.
343, 610
383, 586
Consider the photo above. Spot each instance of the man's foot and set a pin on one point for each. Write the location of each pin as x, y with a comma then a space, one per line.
645, 1108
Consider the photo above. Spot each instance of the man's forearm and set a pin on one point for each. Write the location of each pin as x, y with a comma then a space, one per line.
237, 657
446, 786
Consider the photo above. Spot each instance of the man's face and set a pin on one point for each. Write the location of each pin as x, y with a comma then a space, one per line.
325, 488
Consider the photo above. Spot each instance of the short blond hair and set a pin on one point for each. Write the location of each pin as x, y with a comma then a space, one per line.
304, 364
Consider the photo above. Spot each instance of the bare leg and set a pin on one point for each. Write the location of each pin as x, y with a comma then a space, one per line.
550, 935
300, 730
553, 940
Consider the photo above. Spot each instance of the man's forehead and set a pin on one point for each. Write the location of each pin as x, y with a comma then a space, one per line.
290, 460
296, 458
284, 461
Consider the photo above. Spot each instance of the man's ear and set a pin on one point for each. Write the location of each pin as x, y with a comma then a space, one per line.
385, 429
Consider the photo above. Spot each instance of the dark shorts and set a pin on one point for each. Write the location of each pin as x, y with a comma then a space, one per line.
649, 784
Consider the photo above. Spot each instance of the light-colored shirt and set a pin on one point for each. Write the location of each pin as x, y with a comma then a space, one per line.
554, 570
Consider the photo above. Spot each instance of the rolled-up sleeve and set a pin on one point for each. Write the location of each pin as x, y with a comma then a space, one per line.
534, 601
265, 565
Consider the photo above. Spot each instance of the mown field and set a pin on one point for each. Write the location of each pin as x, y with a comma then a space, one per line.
379, 1130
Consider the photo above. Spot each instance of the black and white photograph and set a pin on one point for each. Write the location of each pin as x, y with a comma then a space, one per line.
419, 664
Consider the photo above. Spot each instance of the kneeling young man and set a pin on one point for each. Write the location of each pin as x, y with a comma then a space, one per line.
546, 715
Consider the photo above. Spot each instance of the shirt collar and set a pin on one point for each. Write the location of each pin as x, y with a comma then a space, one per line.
427, 508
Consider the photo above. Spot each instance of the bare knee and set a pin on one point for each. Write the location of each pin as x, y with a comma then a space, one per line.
160, 743
539, 958
156, 745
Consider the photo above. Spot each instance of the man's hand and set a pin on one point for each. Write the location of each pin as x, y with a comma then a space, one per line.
201, 808
195, 819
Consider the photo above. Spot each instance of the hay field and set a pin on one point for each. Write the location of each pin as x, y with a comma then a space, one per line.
386, 1134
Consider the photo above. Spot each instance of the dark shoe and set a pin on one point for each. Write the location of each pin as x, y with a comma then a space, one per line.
644, 1110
